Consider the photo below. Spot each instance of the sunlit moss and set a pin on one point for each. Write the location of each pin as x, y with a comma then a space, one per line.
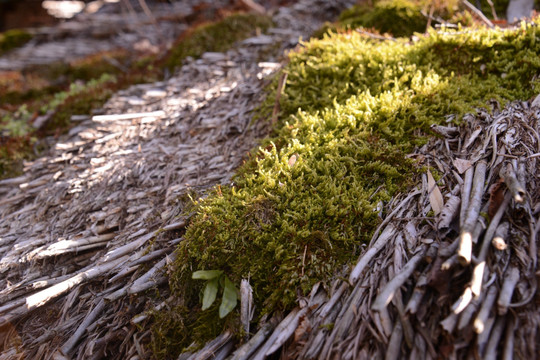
306, 202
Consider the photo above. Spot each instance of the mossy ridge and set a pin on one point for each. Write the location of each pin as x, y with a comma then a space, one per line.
352, 108
216, 36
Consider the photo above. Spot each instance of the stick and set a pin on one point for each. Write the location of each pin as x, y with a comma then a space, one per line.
88, 320
485, 309
390, 289
510, 280
106, 118
44, 296
279, 91
383, 239
478, 13
476, 282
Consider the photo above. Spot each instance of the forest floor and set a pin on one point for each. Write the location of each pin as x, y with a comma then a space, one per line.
92, 219
91, 224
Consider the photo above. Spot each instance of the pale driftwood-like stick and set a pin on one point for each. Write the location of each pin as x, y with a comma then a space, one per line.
394, 345
466, 194
476, 282
88, 320
261, 353
477, 278
151, 256
386, 322
152, 278
485, 309
211, 347
510, 280
66, 246
501, 233
508, 349
105, 118
463, 301
483, 338
246, 350
54, 291
175, 226
279, 91
446, 131
393, 285
478, 13
449, 212
246, 304
494, 337
333, 300
466, 240
510, 179
417, 295
382, 240
468, 313
128, 248
450, 262
286, 332
254, 6
390, 216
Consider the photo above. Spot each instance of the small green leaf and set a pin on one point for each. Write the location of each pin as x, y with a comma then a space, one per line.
210, 292
206, 274
230, 296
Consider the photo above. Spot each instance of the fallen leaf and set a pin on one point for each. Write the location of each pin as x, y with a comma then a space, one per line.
461, 165
435, 197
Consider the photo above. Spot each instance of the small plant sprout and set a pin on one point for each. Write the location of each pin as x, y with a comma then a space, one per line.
215, 279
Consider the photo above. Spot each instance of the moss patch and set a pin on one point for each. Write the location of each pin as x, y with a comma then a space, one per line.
12, 39
352, 109
218, 36
397, 17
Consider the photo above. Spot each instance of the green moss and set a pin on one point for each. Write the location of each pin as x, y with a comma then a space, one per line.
218, 36
12, 39
397, 17
301, 207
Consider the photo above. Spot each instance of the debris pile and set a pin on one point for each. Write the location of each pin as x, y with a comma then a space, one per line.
452, 269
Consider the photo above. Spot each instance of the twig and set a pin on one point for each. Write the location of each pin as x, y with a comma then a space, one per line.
493, 12
88, 320
466, 239
494, 336
106, 118
254, 6
279, 91
246, 350
510, 280
509, 175
476, 283
364, 260
485, 309
393, 285
478, 13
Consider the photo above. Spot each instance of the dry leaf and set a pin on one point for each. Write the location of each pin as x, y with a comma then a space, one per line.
435, 197
462, 165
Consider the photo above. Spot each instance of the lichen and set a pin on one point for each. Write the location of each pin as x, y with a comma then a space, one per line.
306, 202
